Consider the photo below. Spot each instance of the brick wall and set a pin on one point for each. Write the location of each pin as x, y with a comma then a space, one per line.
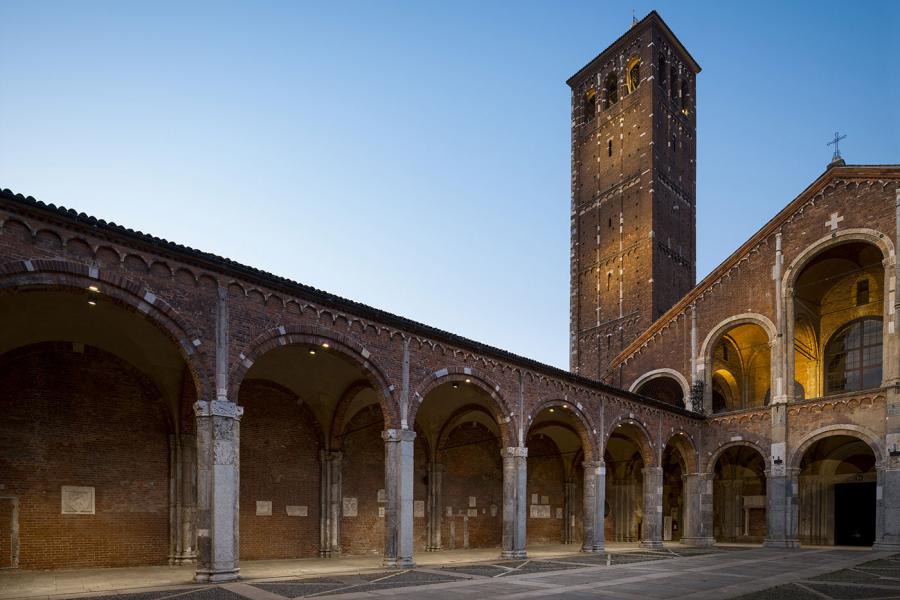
83, 419
546, 479
280, 443
363, 476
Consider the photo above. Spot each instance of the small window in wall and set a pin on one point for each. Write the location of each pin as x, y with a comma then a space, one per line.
673, 83
862, 292
663, 72
609, 147
610, 222
611, 89
608, 281
590, 105
684, 97
634, 74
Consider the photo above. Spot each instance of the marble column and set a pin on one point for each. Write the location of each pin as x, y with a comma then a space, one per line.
435, 506
398, 486
782, 507
218, 485
331, 498
652, 523
697, 529
515, 477
594, 498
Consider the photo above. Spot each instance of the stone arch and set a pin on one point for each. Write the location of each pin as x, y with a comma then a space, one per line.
644, 441
854, 431
713, 458
859, 234
684, 445
733, 321
341, 412
500, 409
664, 372
317, 336
586, 432
56, 275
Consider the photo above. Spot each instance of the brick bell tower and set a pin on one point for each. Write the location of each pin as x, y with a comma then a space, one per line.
633, 219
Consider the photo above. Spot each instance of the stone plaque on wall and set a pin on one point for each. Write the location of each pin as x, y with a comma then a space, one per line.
534, 498
473, 502
449, 511
382, 496
540, 511
493, 510
263, 508
77, 500
472, 512
545, 499
559, 513
297, 511
381, 512
350, 507
418, 508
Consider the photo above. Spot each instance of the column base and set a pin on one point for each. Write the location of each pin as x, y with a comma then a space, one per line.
433, 549
699, 542
781, 543
593, 549
515, 554
329, 553
886, 546
205, 576
399, 563
652, 544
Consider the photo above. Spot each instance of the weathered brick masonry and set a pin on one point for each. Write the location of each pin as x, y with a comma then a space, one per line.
768, 394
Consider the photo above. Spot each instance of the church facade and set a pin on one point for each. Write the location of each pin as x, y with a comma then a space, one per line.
165, 405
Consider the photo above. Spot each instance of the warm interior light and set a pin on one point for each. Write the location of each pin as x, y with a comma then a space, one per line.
93, 288
92, 302
455, 386
325, 344
565, 406
551, 410
468, 380
311, 351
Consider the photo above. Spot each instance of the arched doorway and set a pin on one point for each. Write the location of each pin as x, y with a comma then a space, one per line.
460, 464
664, 388
739, 496
311, 414
624, 458
555, 497
678, 460
837, 492
97, 424
740, 360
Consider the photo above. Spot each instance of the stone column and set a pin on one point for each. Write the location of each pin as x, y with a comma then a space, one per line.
887, 508
594, 506
435, 506
698, 510
652, 525
398, 487
218, 484
515, 477
330, 504
568, 533
186, 548
782, 507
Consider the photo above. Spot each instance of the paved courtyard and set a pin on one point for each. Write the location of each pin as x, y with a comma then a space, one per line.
722, 572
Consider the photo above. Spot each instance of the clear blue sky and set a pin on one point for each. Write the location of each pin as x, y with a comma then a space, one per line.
415, 156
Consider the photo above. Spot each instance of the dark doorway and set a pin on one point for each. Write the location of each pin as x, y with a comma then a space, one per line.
854, 514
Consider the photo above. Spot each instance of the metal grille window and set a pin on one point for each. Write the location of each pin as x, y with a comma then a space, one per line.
853, 357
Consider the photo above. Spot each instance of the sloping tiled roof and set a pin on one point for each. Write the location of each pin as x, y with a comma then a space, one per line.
225, 265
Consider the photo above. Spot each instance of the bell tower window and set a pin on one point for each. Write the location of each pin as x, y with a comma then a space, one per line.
590, 105
634, 74
673, 83
612, 90
663, 73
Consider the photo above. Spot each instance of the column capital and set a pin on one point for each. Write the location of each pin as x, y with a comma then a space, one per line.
514, 451
330, 455
398, 435
218, 408
593, 464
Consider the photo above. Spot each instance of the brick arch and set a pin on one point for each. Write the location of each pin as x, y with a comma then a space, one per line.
453, 422
498, 407
855, 431
664, 372
644, 442
684, 445
316, 336
711, 461
340, 416
586, 432
860, 234
57, 275
742, 319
